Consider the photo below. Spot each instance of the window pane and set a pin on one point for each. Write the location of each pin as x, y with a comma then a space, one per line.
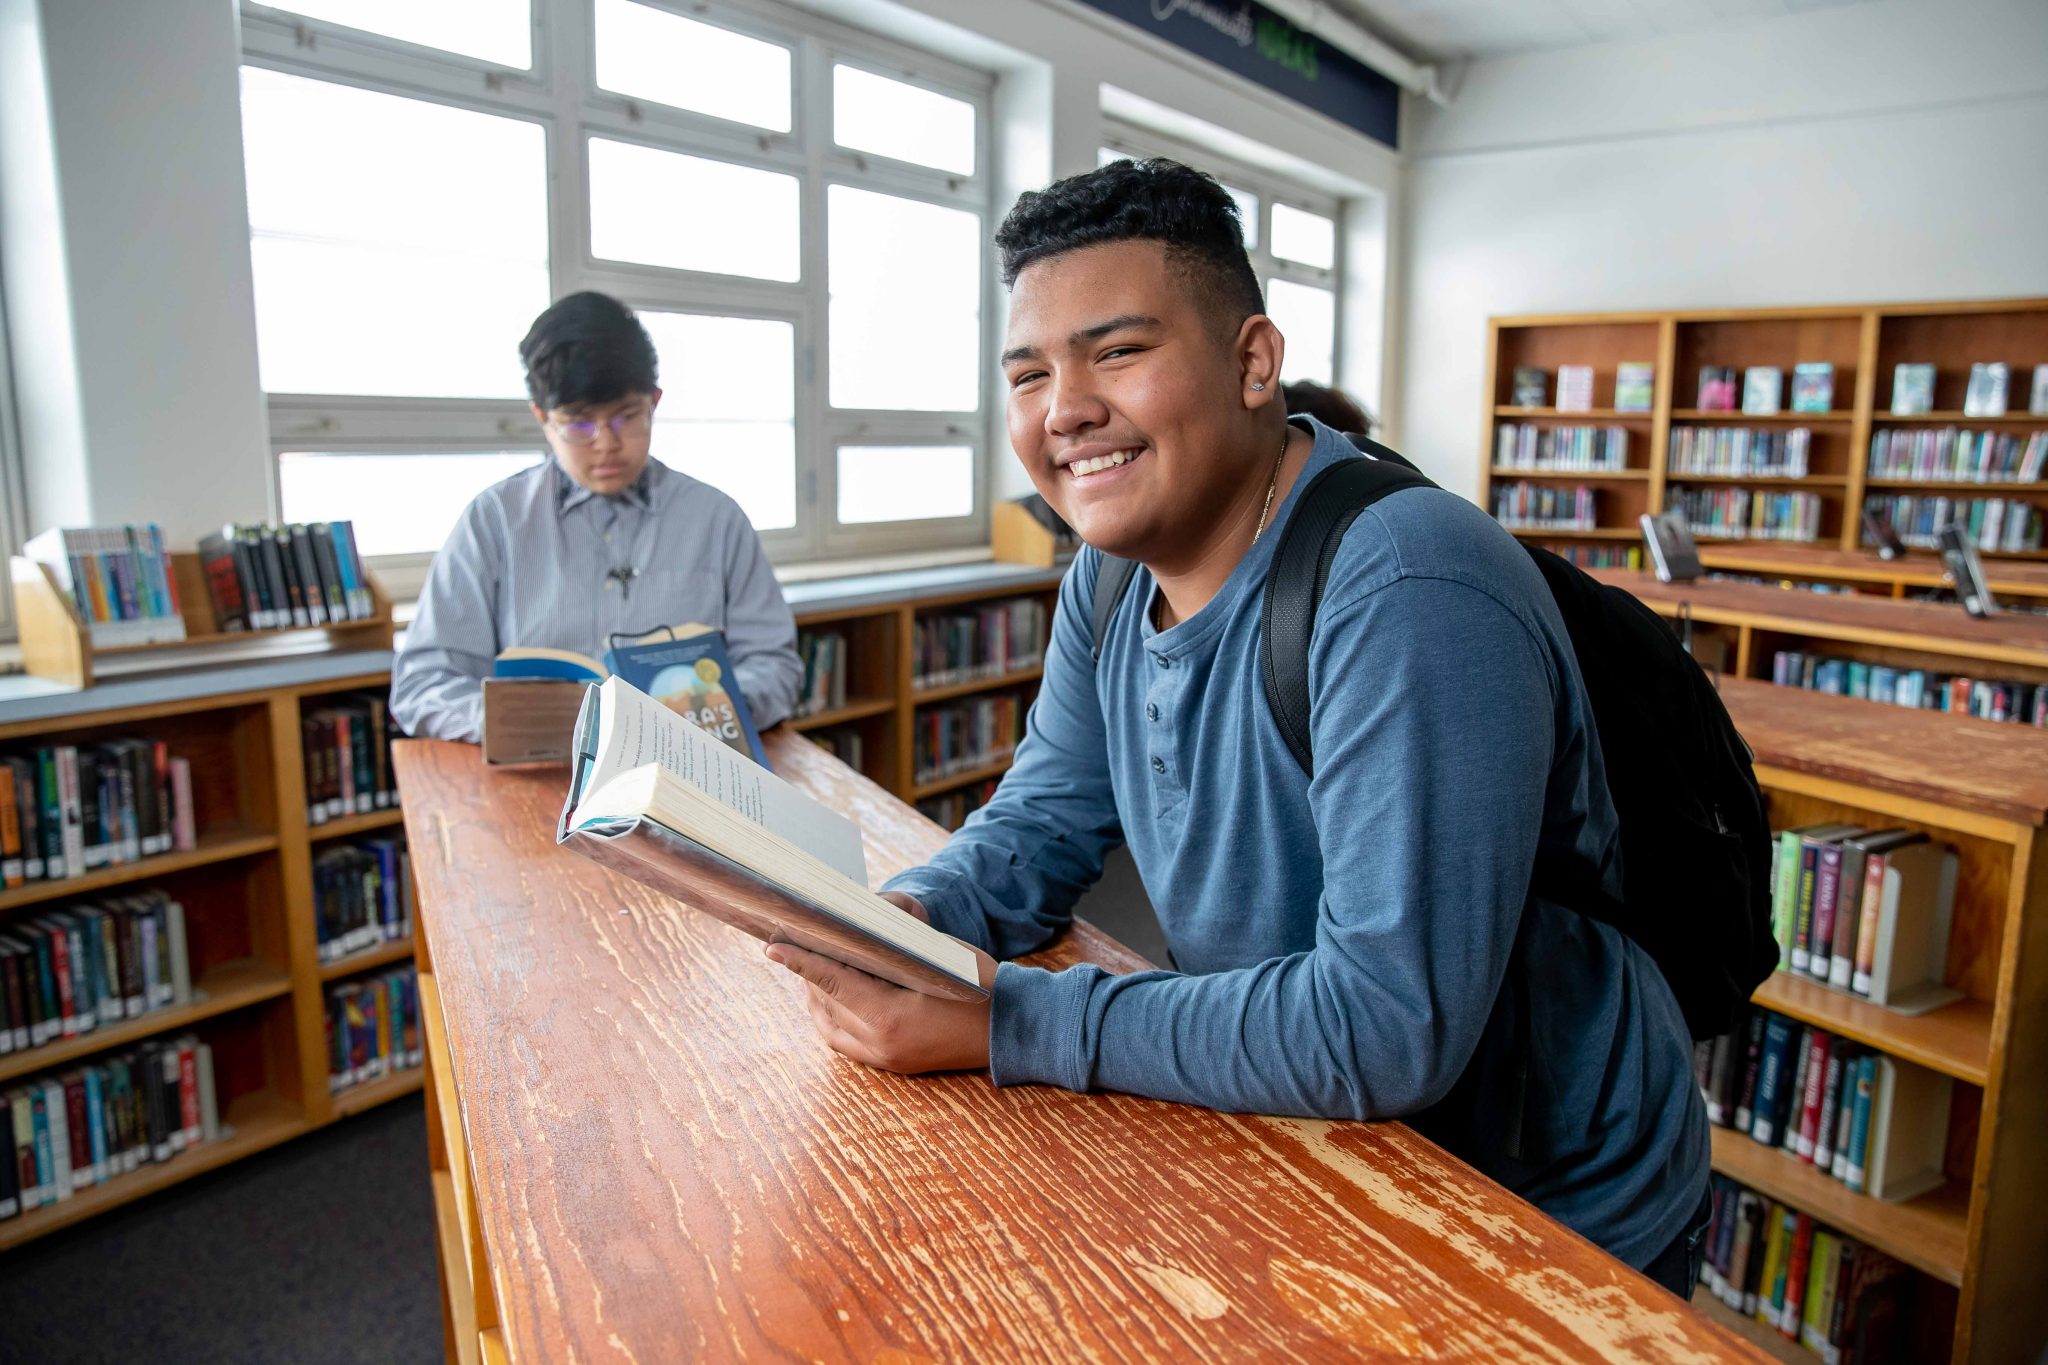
1307, 317
652, 54
498, 31
728, 408
905, 483
400, 247
1105, 155
1248, 214
1306, 237
663, 208
357, 488
872, 113
905, 303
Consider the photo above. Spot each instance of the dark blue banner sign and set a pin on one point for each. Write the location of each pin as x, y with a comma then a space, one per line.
1256, 43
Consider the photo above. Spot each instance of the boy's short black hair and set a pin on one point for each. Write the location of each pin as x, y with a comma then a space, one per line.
587, 349
1152, 200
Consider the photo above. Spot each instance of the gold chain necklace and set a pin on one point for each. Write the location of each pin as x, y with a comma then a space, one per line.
1271, 484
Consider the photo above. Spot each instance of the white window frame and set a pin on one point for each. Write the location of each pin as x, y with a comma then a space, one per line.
13, 490
560, 93
1137, 142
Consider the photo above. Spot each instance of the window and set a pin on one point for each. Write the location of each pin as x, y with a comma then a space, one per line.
797, 211
1292, 234
12, 504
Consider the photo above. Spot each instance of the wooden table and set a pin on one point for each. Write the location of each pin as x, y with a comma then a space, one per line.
1938, 635
2022, 579
643, 1152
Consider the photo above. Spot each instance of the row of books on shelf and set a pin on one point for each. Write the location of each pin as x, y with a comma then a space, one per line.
373, 1027
1922, 689
1876, 1123
263, 576
2000, 525
119, 577
1598, 556
825, 665
1986, 395
1865, 911
1635, 383
1741, 451
347, 743
962, 736
982, 642
67, 809
362, 897
1746, 513
1958, 455
843, 743
1525, 506
1847, 1302
1519, 446
952, 808
70, 1131
69, 972
1763, 388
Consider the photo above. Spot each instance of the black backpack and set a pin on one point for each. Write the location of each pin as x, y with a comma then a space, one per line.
1695, 840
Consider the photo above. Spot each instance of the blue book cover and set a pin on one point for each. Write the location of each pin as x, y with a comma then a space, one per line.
535, 661
1771, 1081
693, 677
1859, 1124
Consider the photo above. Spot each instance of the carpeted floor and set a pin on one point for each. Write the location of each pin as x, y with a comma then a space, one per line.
317, 1251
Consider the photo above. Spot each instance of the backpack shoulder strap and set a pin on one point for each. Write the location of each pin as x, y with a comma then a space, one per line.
1301, 568
1111, 579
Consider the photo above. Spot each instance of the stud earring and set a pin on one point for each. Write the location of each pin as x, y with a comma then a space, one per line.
1258, 386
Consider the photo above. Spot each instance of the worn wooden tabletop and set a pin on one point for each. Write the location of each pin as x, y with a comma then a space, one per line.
671, 1166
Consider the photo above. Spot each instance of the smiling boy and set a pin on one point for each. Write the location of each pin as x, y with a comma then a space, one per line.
1362, 945
601, 539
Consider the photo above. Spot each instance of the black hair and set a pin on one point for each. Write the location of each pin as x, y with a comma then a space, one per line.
1154, 200
1332, 407
587, 349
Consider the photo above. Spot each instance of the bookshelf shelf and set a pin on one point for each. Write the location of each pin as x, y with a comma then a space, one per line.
230, 986
1928, 1233
262, 1119
844, 715
1764, 480
370, 1094
925, 695
1989, 490
1565, 415
1746, 419
218, 846
1766, 1339
2011, 419
344, 826
1954, 1040
381, 955
1576, 475
938, 786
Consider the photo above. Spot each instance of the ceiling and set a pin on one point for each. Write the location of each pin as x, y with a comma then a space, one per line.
1442, 30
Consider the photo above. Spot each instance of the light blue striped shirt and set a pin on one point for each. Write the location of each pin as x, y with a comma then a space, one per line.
538, 559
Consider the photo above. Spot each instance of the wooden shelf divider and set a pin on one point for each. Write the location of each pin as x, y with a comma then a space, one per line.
400, 950
231, 986
345, 826
216, 847
924, 696
369, 1094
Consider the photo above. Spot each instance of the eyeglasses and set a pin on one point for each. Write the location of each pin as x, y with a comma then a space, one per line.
582, 431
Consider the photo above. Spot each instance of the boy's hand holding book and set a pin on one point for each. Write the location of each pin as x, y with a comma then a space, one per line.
883, 1025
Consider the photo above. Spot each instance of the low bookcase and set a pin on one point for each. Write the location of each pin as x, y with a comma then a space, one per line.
1978, 1237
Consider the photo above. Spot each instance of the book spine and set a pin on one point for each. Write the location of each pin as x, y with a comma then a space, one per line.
1816, 1081
1827, 888
1809, 872
1870, 914
1859, 1126
188, 1089
1777, 1048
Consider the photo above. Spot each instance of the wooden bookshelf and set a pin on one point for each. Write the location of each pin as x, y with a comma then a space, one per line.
1864, 342
1863, 571
248, 897
884, 697
370, 1094
383, 955
347, 826
1769, 1340
1982, 789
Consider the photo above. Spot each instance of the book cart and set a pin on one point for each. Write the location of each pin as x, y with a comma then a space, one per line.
1864, 343
1982, 789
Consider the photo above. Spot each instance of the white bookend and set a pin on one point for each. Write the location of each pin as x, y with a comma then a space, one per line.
1908, 1130
1912, 929
181, 957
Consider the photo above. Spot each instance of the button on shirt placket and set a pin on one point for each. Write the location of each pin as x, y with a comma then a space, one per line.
1162, 736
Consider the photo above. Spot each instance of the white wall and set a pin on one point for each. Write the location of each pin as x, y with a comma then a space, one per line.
1884, 151
126, 242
